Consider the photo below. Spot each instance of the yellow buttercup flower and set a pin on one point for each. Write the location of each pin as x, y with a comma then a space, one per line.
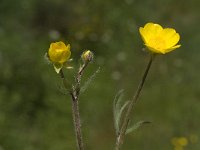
158, 39
59, 54
181, 141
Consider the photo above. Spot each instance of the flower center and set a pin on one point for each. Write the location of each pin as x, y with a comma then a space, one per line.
157, 43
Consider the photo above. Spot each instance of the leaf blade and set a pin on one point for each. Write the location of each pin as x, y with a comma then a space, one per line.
136, 126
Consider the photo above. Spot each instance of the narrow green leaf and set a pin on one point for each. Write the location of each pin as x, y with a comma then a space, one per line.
136, 126
120, 92
116, 108
119, 114
119, 100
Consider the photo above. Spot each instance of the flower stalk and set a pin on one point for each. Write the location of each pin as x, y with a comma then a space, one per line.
77, 121
125, 122
75, 93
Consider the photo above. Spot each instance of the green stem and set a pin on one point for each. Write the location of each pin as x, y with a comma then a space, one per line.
122, 132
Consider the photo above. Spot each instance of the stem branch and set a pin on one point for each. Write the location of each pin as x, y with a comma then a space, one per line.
74, 92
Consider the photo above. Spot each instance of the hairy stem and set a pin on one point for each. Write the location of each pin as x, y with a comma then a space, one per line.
122, 132
78, 78
77, 122
75, 111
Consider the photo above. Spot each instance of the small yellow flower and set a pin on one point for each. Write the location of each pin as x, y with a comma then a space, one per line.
158, 39
183, 141
180, 141
59, 54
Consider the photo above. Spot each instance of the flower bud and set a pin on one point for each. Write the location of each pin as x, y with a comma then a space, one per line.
87, 56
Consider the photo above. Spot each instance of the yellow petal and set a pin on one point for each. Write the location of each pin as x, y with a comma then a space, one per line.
58, 45
153, 29
64, 56
154, 50
170, 36
167, 33
62, 45
150, 30
143, 34
171, 49
172, 41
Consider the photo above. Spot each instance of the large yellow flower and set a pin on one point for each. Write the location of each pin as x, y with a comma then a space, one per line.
159, 40
59, 52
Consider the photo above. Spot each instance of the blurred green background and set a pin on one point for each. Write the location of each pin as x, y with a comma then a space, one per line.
35, 115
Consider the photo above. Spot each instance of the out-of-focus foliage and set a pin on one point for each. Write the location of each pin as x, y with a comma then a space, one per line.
34, 114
